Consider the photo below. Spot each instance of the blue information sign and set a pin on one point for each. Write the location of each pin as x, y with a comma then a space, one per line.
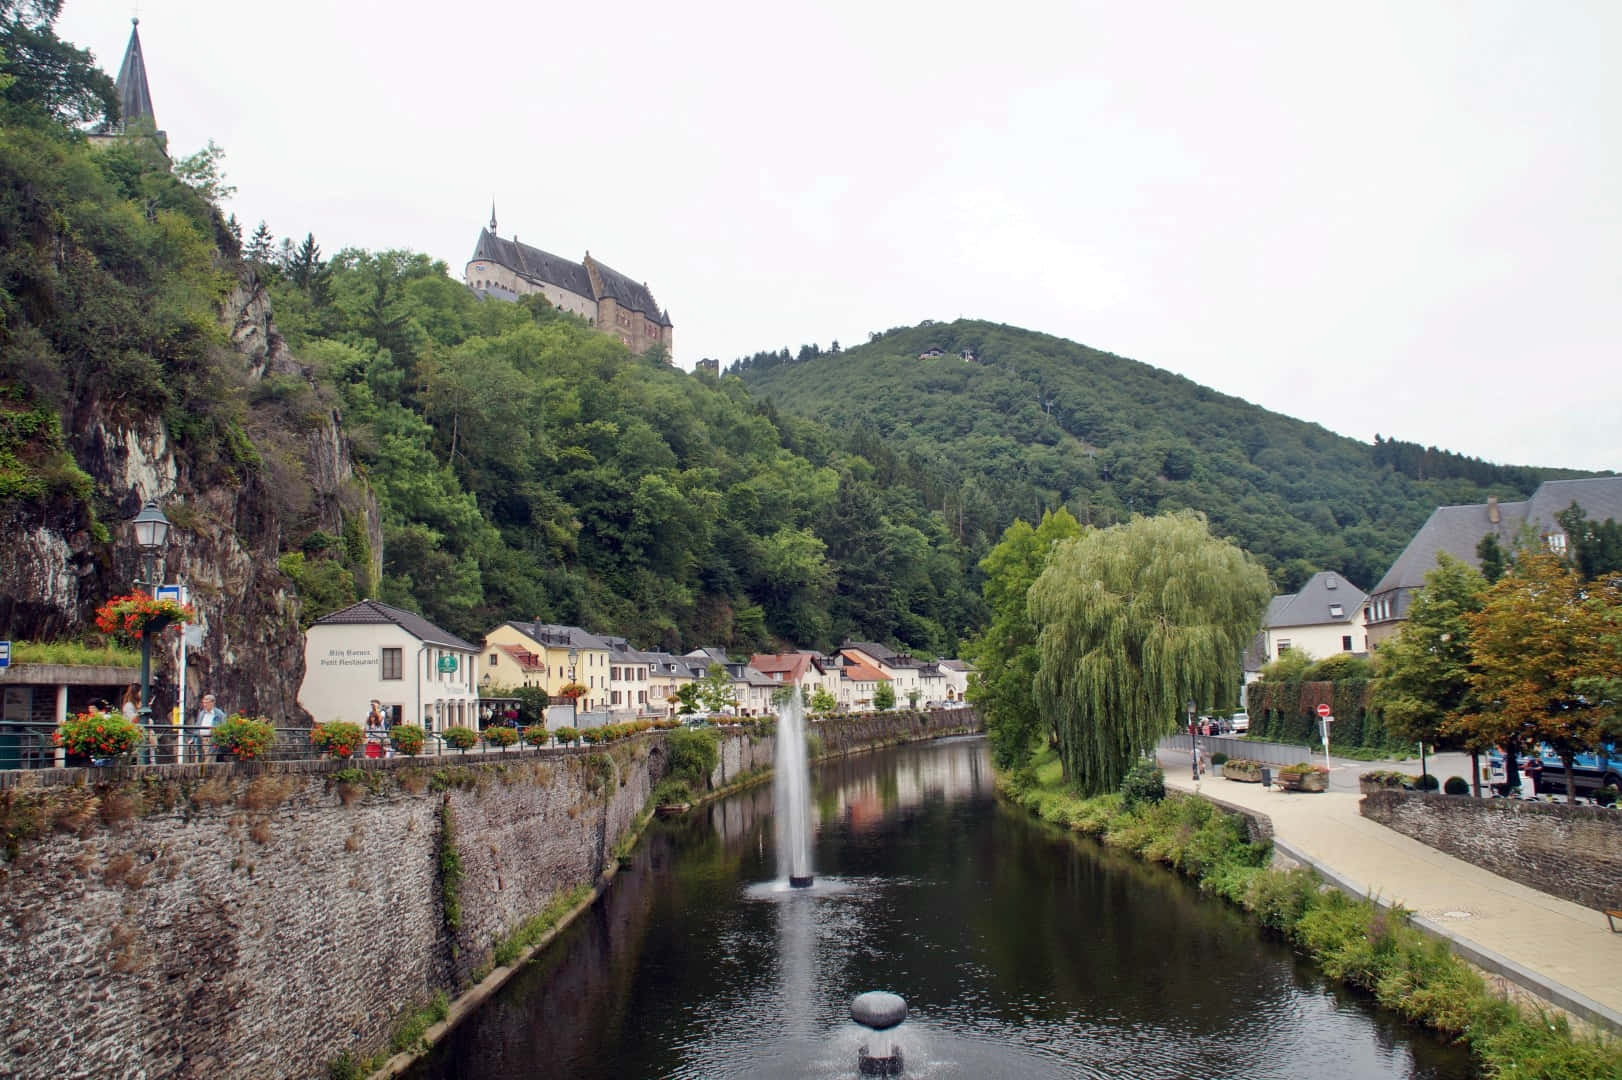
5, 654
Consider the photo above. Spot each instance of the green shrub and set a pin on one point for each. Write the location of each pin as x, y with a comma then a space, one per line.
1144, 783
1219, 758
693, 756
670, 791
462, 738
1456, 785
1427, 782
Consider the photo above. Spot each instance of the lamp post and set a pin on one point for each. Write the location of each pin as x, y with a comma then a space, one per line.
1193, 739
152, 536
574, 698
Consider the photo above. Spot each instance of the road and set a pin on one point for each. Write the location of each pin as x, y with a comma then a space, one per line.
1343, 772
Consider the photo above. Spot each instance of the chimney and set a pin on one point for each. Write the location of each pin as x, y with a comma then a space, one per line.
1492, 509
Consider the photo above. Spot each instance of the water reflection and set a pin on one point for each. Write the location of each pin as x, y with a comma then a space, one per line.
1022, 951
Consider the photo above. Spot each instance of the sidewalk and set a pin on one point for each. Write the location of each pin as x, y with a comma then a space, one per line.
1558, 950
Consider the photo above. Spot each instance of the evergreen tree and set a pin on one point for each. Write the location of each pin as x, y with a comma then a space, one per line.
261, 246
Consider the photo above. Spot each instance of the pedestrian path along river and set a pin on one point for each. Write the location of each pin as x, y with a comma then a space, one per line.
1560, 950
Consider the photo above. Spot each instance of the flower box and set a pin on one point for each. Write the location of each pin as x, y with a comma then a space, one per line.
1303, 777
1242, 770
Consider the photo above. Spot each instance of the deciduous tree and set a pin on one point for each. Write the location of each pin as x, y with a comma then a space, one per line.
1537, 641
1133, 621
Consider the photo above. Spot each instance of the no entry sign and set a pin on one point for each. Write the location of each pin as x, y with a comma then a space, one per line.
1323, 710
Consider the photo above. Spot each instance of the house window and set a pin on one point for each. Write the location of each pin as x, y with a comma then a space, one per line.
1329, 581
492, 659
391, 664
616, 697
1283, 646
1346, 643
1336, 611
641, 697
1556, 542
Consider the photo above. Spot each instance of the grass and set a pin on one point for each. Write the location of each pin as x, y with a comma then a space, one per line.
1353, 940
73, 654
532, 929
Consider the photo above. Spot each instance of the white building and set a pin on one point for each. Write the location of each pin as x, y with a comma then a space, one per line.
371, 651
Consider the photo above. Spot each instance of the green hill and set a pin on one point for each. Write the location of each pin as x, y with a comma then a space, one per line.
1034, 422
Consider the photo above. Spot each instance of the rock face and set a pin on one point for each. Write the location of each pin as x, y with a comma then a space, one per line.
287, 472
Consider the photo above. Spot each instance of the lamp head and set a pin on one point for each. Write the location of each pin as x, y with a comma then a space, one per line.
151, 527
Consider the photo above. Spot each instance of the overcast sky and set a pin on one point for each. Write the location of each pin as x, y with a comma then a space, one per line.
1392, 217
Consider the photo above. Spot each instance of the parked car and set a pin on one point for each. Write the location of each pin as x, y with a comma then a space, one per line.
1240, 722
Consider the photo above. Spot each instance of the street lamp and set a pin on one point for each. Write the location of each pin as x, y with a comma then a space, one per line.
574, 698
152, 536
1193, 740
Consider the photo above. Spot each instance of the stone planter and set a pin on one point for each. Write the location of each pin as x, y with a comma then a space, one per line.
1310, 781
1369, 787
1245, 774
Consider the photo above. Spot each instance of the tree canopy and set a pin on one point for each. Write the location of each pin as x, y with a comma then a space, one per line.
1133, 621
1004, 654
1425, 672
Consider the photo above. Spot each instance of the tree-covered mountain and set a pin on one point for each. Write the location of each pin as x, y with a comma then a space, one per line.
529, 466
1035, 422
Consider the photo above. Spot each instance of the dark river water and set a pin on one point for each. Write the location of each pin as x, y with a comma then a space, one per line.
1022, 952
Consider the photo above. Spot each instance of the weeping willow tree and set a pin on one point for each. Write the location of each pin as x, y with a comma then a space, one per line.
1134, 620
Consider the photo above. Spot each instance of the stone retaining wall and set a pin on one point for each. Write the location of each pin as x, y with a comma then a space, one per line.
1573, 852
258, 920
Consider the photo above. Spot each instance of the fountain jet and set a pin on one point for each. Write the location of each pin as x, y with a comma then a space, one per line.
791, 790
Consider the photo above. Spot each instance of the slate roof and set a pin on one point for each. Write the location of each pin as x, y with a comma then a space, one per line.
1314, 604
626, 293
134, 96
558, 636
375, 612
954, 665
533, 263
1457, 530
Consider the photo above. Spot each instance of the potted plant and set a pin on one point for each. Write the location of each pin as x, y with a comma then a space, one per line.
338, 738
501, 736
1304, 776
101, 738
407, 739
1385, 780
462, 738
243, 737
536, 735
567, 736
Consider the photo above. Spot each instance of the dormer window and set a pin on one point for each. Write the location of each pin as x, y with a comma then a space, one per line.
1330, 582
1335, 611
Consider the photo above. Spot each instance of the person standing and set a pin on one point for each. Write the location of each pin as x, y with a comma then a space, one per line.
202, 733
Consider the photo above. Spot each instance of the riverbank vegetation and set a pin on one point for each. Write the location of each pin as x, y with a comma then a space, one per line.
1356, 941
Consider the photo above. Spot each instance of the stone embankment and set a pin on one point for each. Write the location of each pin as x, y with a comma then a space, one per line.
259, 921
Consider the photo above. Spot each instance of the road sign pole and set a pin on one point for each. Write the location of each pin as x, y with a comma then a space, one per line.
1324, 720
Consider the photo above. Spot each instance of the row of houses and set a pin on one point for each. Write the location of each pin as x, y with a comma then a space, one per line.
1330, 615
416, 672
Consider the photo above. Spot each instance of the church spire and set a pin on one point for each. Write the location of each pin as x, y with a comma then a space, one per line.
492, 217
134, 96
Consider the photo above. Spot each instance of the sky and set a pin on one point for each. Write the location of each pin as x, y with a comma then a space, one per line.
1401, 218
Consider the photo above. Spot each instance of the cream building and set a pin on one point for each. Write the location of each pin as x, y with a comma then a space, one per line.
372, 651
548, 655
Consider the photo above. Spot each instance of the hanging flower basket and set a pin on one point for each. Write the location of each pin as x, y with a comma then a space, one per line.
98, 736
243, 737
127, 618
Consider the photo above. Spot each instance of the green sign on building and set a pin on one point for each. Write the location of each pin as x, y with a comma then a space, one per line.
447, 665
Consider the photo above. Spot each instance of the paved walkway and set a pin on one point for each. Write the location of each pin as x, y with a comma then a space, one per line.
1561, 951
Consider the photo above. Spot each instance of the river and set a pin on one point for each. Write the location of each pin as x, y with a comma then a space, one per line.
1022, 951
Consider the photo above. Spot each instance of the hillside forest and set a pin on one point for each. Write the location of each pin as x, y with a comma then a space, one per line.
526, 466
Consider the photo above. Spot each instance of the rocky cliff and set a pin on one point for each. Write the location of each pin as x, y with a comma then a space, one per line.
286, 476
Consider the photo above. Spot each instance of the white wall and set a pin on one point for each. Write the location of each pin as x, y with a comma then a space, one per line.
343, 674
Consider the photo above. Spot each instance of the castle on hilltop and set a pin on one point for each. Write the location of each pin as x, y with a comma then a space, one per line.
610, 301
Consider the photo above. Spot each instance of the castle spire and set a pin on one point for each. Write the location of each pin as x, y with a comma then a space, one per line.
134, 96
492, 217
